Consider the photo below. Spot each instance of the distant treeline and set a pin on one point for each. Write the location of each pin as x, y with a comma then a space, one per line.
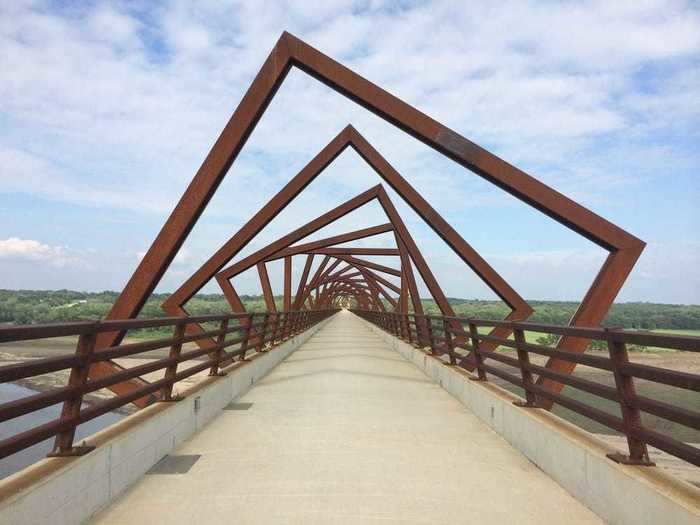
39, 306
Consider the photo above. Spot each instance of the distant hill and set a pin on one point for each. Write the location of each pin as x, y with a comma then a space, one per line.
45, 306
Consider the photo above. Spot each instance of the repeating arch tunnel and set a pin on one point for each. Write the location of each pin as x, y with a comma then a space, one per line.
343, 277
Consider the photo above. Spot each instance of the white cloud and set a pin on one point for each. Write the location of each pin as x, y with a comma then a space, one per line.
14, 248
114, 107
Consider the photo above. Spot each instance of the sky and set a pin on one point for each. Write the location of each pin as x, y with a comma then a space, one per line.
107, 110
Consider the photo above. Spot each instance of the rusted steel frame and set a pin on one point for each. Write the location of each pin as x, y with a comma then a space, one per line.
326, 272
291, 51
319, 271
332, 277
340, 211
287, 283
317, 277
375, 295
594, 306
378, 278
344, 279
367, 297
487, 165
378, 288
63, 444
294, 236
360, 292
377, 252
407, 275
411, 286
403, 293
369, 264
403, 306
299, 296
197, 195
416, 256
331, 241
349, 276
266, 287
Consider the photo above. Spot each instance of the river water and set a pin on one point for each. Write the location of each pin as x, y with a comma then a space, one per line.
16, 462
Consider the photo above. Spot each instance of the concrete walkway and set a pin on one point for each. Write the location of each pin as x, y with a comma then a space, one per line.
346, 431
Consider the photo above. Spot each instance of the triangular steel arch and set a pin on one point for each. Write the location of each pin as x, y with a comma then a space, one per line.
290, 51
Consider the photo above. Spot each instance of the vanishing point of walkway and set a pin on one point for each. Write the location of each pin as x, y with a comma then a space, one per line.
346, 431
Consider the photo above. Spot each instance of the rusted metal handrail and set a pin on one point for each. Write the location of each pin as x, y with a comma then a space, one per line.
617, 362
253, 331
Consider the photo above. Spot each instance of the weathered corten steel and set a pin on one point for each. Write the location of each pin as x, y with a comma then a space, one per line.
401, 232
624, 249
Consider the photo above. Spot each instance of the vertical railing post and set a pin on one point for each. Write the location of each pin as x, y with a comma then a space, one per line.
409, 330
275, 330
285, 326
246, 336
263, 332
219, 349
431, 336
63, 444
449, 343
292, 326
166, 393
525, 373
295, 322
631, 418
478, 358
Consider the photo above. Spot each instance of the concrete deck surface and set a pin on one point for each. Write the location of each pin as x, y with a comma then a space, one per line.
346, 431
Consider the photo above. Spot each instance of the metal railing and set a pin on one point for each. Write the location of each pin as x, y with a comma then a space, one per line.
460, 340
253, 333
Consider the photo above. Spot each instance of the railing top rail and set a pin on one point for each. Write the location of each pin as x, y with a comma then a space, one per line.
687, 343
546, 389
214, 352
63, 329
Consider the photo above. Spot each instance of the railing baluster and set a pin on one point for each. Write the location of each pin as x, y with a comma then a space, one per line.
219, 349
275, 331
639, 455
263, 332
431, 337
478, 359
63, 444
449, 343
524, 361
166, 393
246, 337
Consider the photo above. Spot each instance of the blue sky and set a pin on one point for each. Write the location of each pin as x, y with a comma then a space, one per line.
108, 109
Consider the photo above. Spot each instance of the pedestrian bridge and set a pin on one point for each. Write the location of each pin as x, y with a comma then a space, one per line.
306, 413
333, 419
345, 430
